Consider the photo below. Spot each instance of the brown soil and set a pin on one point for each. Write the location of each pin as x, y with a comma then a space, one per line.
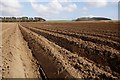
17, 58
73, 50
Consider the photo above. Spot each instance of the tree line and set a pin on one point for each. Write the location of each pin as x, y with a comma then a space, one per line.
91, 19
21, 19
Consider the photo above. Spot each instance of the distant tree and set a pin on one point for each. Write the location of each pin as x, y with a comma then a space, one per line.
13, 19
37, 19
24, 19
18, 19
91, 19
21, 19
100, 18
31, 19
0, 19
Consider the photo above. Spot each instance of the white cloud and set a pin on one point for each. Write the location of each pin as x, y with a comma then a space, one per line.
84, 10
114, 1
97, 3
10, 7
52, 8
71, 8
95, 16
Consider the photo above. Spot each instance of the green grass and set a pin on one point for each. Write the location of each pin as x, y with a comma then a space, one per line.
59, 21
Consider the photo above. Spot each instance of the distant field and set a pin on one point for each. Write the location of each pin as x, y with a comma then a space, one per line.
59, 21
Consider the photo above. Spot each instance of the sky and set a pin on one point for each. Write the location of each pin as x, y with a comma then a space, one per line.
60, 9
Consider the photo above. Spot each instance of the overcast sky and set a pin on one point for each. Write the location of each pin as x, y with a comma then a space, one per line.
60, 9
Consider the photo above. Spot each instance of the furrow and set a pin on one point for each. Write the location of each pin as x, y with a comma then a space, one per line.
65, 63
100, 54
94, 39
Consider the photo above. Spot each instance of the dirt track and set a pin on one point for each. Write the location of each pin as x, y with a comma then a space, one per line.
17, 58
35, 52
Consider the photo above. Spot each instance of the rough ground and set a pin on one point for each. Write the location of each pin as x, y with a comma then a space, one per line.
55, 50
55, 47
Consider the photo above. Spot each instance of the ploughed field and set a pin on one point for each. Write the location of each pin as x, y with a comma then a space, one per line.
67, 49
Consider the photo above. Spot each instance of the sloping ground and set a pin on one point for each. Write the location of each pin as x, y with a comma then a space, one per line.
64, 63
17, 58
